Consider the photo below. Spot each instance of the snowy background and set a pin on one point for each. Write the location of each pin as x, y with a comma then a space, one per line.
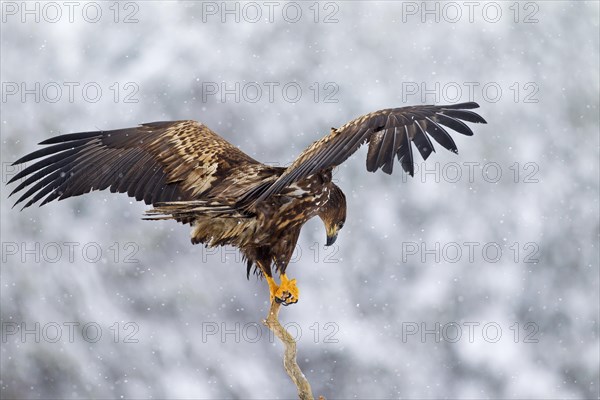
458, 283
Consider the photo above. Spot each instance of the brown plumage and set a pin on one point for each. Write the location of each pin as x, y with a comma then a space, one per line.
191, 174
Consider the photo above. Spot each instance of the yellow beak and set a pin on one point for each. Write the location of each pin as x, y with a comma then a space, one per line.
331, 236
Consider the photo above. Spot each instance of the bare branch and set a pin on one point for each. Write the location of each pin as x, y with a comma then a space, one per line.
289, 357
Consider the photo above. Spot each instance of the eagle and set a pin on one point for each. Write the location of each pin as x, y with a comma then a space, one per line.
190, 174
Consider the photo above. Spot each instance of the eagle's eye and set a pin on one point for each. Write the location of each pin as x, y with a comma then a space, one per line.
340, 225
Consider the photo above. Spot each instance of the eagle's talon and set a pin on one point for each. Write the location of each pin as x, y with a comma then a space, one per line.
286, 299
287, 293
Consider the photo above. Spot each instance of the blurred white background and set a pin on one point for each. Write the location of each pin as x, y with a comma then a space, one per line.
504, 267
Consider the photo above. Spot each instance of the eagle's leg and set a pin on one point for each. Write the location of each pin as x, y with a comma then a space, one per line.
272, 287
266, 270
287, 293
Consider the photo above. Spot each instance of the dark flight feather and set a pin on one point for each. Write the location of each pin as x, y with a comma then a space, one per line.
154, 162
413, 123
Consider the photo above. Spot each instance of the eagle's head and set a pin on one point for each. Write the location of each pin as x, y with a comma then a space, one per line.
333, 213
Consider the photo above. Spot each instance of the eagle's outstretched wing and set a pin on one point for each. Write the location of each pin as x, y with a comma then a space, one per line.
389, 133
155, 162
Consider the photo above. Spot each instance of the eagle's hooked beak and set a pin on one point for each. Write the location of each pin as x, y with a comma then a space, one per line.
331, 239
331, 236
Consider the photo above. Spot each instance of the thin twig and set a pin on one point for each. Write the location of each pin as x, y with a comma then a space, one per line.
289, 357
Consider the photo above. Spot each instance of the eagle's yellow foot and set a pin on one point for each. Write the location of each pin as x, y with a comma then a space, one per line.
288, 292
